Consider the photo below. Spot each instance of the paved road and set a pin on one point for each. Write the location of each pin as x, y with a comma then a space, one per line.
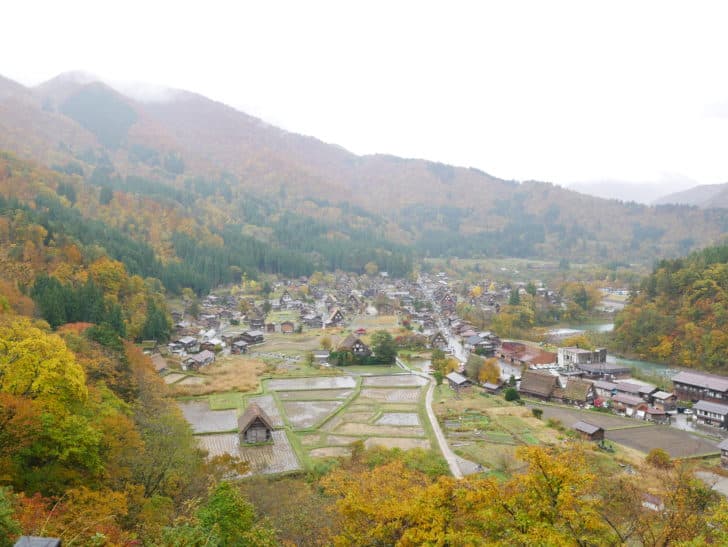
448, 454
457, 348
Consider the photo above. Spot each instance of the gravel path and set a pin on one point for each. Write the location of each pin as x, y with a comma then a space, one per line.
448, 454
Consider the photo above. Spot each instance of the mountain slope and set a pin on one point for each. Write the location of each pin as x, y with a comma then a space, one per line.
245, 172
705, 196
680, 315
640, 192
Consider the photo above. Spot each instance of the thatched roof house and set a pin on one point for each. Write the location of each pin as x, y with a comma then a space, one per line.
576, 391
540, 385
354, 345
254, 425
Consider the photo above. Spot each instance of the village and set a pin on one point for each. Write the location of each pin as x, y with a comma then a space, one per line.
285, 376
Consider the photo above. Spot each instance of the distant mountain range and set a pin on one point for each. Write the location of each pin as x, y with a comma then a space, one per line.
229, 161
639, 192
706, 196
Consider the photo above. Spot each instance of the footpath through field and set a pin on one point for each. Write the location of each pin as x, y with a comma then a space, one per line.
448, 454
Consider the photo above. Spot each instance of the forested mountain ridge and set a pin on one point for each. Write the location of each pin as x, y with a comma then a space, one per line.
185, 237
680, 314
705, 196
185, 141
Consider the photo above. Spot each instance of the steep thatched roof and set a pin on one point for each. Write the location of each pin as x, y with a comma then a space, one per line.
575, 390
586, 427
539, 384
348, 343
248, 417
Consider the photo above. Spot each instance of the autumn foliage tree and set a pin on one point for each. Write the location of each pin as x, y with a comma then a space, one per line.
554, 501
680, 314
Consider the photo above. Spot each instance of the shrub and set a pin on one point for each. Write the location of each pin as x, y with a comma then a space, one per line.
657, 457
511, 394
537, 412
555, 423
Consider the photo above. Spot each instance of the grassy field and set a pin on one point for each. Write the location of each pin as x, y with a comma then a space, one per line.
226, 374
486, 429
374, 323
292, 344
224, 401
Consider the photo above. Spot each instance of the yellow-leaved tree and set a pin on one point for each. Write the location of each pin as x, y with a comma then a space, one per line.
38, 365
489, 371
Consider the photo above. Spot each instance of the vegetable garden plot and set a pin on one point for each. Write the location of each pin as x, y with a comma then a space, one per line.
204, 420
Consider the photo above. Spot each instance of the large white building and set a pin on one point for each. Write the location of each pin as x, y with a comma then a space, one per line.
573, 357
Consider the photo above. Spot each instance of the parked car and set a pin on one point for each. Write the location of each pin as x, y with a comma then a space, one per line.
688, 411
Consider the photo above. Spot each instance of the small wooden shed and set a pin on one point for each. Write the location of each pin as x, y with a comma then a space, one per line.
589, 431
457, 381
254, 426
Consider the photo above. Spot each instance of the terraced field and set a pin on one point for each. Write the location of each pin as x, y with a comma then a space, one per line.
325, 414
276, 457
394, 380
326, 382
204, 420
315, 394
384, 412
399, 418
391, 395
306, 414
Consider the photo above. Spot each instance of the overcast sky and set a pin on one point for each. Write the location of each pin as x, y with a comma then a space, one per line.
557, 91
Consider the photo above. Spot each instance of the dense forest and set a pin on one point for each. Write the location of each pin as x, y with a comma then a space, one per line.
680, 313
183, 237
94, 452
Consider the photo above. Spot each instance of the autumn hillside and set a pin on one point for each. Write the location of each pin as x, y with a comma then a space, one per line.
251, 174
680, 314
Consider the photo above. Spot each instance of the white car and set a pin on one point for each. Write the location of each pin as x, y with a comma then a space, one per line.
688, 411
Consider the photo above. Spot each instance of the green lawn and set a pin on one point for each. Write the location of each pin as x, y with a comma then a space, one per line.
513, 424
500, 436
225, 401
